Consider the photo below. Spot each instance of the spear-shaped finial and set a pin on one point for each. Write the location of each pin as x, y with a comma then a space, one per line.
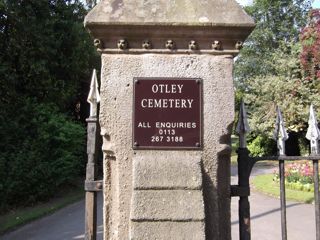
94, 96
242, 126
280, 133
313, 133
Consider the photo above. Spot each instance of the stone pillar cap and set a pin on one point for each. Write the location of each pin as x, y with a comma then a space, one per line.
221, 21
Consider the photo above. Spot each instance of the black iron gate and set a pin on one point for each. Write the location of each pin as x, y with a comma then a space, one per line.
92, 185
246, 163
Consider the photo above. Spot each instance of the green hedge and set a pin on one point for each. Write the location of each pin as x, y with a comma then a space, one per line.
41, 150
262, 146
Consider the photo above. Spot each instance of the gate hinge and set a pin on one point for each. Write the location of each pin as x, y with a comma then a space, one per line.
237, 191
93, 186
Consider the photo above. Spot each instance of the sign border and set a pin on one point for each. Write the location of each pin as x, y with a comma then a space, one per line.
137, 147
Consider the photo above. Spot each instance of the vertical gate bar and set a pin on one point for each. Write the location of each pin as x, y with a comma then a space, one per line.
281, 135
283, 200
243, 174
91, 171
316, 196
244, 204
244, 218
313, 135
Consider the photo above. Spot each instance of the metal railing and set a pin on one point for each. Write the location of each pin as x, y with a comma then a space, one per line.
92, 185
246, 163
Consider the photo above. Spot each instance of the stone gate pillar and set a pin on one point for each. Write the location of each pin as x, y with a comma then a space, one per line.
166, 114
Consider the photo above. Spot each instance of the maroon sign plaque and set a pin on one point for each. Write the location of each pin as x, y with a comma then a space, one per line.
167, 113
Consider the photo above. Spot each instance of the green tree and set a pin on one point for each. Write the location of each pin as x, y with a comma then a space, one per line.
268, 71
42, 151
277, 21
45, 52
91, 3
287, 88
46, 62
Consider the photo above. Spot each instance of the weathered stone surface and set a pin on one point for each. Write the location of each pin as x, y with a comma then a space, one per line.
167, 205
167, 231
178, 204
118, 72
182, 21
204, 22
186, 12
166, 172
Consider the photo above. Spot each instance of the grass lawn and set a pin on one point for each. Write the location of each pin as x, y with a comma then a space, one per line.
265, 184
234, 158
18, 217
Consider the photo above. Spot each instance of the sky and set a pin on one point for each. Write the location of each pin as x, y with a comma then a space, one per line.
245, 2
316, 3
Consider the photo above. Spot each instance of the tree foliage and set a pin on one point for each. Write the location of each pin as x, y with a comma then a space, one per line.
286, 88
46, 61
278, 67
277, 21
43, 152
46, 53
91, 3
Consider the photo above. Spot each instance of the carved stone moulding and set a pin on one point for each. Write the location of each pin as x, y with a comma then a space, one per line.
215, 40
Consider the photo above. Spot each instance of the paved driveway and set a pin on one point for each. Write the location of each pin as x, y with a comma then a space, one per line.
265, 215
266, 223
65, 224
